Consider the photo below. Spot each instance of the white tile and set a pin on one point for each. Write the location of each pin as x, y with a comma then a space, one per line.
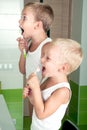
11, 6
9, 21
8, 38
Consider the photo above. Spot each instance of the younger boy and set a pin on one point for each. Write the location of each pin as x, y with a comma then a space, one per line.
50, 99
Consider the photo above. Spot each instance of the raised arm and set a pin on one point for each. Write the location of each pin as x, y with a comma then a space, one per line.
23, 47
22, 62
41, 107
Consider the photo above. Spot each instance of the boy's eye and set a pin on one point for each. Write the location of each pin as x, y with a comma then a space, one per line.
48, 58
23, 17
42, 55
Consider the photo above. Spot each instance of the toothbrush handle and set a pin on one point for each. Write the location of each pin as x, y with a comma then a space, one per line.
24, 52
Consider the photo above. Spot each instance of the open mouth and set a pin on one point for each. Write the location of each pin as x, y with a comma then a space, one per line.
22, 30
43, 69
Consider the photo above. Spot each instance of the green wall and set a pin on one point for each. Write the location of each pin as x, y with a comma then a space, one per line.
73, 106
13, 98
78, 104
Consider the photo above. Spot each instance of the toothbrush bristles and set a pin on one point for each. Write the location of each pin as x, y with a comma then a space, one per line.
37, 70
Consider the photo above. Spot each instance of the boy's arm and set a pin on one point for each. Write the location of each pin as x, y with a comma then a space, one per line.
23, 46
22, 61
43, 108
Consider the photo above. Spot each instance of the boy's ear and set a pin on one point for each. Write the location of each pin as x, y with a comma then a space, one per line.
38, 24
64, 68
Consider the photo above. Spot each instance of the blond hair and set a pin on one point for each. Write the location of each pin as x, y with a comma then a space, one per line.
42, 12
71, 53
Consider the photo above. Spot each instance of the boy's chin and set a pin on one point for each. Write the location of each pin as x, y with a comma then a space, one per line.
43, 76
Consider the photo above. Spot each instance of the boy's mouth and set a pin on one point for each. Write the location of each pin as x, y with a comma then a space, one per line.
22, 30
43, 68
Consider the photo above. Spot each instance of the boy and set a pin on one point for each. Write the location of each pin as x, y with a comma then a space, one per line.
35, 21
50, 99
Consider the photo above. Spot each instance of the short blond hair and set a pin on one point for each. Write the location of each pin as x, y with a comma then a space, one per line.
43, 12
71, 53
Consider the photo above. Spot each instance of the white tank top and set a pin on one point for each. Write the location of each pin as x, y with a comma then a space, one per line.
53, 122
33, 59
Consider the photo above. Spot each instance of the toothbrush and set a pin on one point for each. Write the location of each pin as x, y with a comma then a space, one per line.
24, 51
43, 79
37, 70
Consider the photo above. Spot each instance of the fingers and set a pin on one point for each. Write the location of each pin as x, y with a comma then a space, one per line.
21, 44
31, 80
31, 75
26, 91
32, 84
19, 39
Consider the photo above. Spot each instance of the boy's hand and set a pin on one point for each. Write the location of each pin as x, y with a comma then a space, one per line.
22, 44
33, 82
26, 92
31, 85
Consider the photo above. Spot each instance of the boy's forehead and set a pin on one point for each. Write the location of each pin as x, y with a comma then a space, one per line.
49, 45
27, 10
28, 13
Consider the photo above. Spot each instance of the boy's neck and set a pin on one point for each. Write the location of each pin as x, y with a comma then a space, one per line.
51, 81
36, 42
58, 79
38, 39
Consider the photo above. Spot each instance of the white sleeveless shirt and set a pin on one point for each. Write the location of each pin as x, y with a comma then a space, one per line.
33, 59
53, 122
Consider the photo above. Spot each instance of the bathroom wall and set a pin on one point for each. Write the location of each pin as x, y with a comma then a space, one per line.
10, 77
62, 18
9, 52
78, 105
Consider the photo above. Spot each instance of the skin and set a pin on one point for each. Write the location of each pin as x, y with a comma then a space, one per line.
56, 73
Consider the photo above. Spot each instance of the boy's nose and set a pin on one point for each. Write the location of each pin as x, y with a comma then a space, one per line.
19, 21
42, 60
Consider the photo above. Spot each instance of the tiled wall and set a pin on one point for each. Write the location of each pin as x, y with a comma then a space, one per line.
78, 105
73, 106
62, 14
27, 123
83, 105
